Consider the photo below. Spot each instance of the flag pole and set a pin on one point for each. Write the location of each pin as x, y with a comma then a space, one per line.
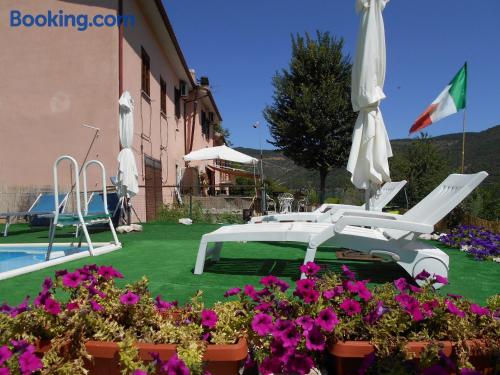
463, 139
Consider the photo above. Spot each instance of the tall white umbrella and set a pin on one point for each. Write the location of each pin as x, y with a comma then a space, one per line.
127, 180
368, 161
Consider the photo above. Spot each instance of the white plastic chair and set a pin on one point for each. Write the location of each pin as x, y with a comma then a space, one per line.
285, 201
394, 237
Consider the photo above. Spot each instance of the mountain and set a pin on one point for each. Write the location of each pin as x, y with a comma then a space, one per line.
481, 153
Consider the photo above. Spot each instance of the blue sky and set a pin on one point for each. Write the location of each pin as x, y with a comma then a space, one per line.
240, 45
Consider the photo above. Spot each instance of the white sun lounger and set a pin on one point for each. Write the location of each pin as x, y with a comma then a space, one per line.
394, 237
330, 212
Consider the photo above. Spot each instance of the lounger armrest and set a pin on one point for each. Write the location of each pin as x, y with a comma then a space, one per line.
336, 216
385, 223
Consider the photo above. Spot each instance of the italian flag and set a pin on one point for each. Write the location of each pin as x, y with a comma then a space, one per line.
451, 99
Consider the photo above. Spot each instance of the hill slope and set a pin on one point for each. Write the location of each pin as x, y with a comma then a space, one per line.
481, 153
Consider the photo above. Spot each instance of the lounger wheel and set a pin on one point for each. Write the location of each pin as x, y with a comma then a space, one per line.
433, 266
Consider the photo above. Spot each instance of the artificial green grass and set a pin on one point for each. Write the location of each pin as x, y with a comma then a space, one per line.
166, 254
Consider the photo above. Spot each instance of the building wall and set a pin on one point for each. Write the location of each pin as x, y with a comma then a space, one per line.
53, 80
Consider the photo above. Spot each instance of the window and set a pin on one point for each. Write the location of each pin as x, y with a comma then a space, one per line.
163, 95
205, 124
145, 72
177, 99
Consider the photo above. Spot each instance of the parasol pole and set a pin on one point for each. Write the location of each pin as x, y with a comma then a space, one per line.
463, 139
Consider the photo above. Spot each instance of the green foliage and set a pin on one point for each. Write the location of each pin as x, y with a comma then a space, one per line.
172, 214
311, 119
422, 165
332, 200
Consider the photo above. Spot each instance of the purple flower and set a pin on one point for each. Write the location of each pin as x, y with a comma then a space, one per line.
280, 326
422, 275
327, 319
401, 284
22, 307
291, 337
299, 363
334, 292
478, 310
232, 292
374, 315
72, 306
270, 365
93, 290
310, 268
415, 289
47, 283
109, 272
452, 308
95, 306
72, 279
263, 307
175, 366
41, 298
351, 307
29, 362
162, 305
52, 306
363, 292
268, 280
440, 279
4, 371
20, 346
139, 372
429, 306
469, 371
249, 291
348, 273
5, 354
262, 324
306, 322
208, 318
129, 298
280, 351
315, 340
435, 370
61, 273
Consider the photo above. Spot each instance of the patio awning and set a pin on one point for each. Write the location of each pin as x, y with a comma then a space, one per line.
232, 171
222, 153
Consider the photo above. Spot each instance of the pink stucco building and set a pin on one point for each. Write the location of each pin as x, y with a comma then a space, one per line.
54, 79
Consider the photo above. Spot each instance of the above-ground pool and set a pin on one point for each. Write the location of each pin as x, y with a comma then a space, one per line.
16, 259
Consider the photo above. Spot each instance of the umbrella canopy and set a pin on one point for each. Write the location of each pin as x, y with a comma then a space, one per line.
220, 152
127, 180
368, 161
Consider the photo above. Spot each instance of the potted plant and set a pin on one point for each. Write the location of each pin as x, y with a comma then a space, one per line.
81, 321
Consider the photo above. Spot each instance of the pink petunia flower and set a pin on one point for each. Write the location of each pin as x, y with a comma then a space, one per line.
271, 365
47, 283
129, 298
52, 306
139, 372
209, 318
95, 306
306, 322
452, 308
280, 351
327, 319
4, 371
478, 310
310, 268
109, 273
29, 362
250, 291
299, 363
351, 307
315, 340
162, 305
440, 279
262, 324
363, 292
424, 275
72, 306
175, 366
5, 354
232, 292
72, 279
401, 284
348, 273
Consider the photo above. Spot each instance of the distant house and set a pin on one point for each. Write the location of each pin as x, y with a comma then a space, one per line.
54, 79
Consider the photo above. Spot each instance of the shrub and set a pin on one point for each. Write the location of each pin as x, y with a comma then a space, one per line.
475, 241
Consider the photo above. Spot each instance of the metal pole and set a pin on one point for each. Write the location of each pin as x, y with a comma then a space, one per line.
463, 140
190, 203
263, 185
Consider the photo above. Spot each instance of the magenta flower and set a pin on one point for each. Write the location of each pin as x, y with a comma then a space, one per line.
429, 306
29, 362
280, 351
21, 346
72, 306
291, 337
61, 273
129, 298
47, 283
94, 291
401, 284
109, 273
249, 291
72, 279
415, 289
327, 319
452, 308
424, 275
95, 306
374, 315
469, 371
315, 340
208, 318
162, 305
310, 268
440, 279
363, 292
263, 307
268, 280
306, 322
139, 372
270, 365
175, 366
52, 306
348, 273
5, 354
262, 324
280, 326
4, 371
41, 298
299, 363
351, 307
304, 285
232, 292
455, 296
478, 310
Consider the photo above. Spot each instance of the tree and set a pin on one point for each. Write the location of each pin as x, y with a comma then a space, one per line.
423, 166
311, 119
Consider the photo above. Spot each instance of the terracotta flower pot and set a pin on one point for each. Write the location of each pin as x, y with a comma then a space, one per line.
349, 355
221, 359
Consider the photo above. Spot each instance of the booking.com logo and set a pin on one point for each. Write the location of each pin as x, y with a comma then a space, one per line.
59, 19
